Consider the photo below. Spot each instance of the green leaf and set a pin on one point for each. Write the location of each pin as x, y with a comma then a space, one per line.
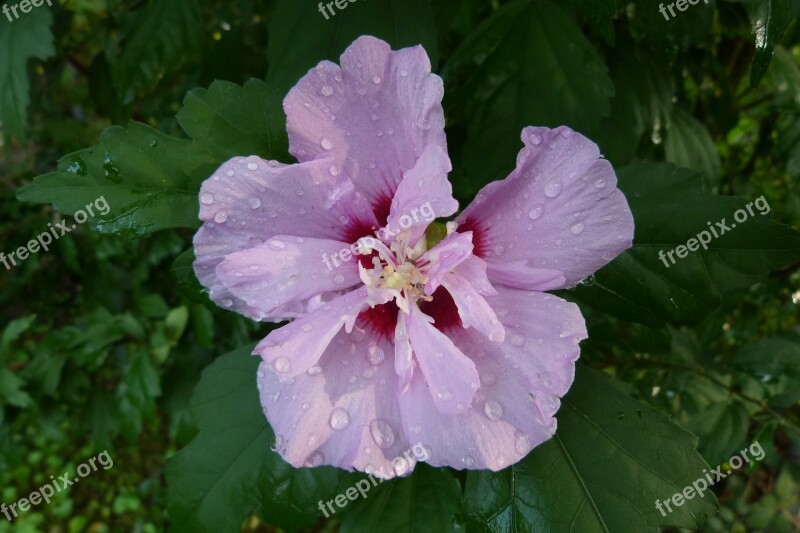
528, 64
301, 36
429, 500
688, 144
669, 208
599, 14
769, 20
14, 330
11, 389
229, 469
163, 36
21, 40
722, 429
771, 358
609, 462
151, 180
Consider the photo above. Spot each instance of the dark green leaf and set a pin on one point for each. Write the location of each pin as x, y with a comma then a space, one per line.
20, 40
769, 20
771, 358
301, 36
722, 429
688, 144
529, 64
669, 208
609, 462
429, 500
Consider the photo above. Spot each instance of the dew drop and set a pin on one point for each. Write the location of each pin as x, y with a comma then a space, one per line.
207, 198
306, 406
446, 395
376, 79
283, 365
376, 355
552, 189
338, 278
468, 460
276, 245
493, 410
536, 139
382, 433
535, 212
315, 459
252, 166
340, 419
334, 170
577, 229
314, 370
522, 443
600, 183
488, 378
326, 143
327, 90
220, 217
255, 202
403, 73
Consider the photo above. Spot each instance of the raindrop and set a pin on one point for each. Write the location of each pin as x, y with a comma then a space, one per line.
276, 245
522, 443
376, 80
283, 365
468, 460
376, 355
577, 229
255, 202
340, 419
252, 166
446, 395
314, 370
327, 90
220, 217
326, 143
535, 212
315, 459
382, 433
552, 189
488, 378
493, 410
207, 198
600, 183
338, 278
536, 139
334, 170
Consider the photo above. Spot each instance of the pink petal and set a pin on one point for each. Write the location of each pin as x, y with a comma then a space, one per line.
375, 115
473, 269
342, 412
297, 346
249, 200
423, 195
445, 256
522, 276
288, 270
450, 375
403, 353
473, 309
559, 210
522, 381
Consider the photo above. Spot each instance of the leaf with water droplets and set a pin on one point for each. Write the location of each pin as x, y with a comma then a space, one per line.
601, 472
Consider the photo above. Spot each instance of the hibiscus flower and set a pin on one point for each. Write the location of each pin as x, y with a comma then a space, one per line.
402, 336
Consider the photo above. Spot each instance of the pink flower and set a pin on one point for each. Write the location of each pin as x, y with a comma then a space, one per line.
453, 347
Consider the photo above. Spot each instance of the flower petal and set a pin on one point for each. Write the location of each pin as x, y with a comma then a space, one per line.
403, 354
287, 270
522, 381
473, 309
250, 200
559, 210
423, 195
341, 412
445, 256
375, 115
297, 346
449, 374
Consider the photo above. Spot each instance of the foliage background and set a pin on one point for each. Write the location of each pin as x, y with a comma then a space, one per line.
106, 338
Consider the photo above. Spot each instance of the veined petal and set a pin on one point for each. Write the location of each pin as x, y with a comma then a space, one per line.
445, 256
559, 210
297, 346
473, 308
375, 116
450, 375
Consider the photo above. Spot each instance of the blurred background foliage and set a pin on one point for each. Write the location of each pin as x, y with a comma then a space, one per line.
104, 339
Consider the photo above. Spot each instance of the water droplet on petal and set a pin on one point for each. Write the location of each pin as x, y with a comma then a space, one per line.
326, 144
468, 460
252, 166
307, 327
283, 365
536, 139
340, 419
314, 370
376, 79
577, 229
255, 202
522, 443
517, 339
535, 212
376, 355
334, 170
600, 183
493, 410
488, 378
276, 244
403, 73
220, 217
446, 395
306, 406
207, 198
552, 189
327, 90
338, 278
315, 459
382, 433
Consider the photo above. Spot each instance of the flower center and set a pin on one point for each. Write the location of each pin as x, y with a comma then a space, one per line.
396, 269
